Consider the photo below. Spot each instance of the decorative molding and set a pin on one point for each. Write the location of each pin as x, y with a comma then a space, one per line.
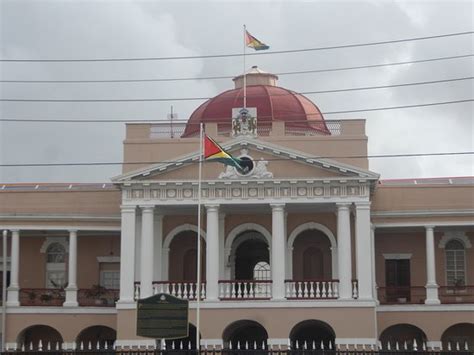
426, 308
453, 223
51, 240
108, 259
395, 256
42, 217
455, 235
181, 228
61, 310
259, 171
64, 228
422, 213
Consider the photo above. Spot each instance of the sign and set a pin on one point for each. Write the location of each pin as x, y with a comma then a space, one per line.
162, 316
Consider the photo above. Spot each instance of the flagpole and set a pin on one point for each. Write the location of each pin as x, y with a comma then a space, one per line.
198, 291
245, 76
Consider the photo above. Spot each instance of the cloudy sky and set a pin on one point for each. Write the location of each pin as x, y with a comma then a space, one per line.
108, 29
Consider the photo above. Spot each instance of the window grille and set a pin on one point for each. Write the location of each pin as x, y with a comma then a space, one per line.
261, 271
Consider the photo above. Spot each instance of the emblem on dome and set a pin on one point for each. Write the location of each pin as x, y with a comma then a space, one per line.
244, 122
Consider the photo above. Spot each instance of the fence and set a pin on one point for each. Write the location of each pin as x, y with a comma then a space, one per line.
241, 352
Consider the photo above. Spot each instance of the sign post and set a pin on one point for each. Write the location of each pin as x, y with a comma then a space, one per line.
163, 316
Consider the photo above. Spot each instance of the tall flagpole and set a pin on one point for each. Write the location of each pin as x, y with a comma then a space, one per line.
198, 291
245, 76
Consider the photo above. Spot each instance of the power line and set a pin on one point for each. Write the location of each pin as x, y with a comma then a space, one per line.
233, 98
241, 54
217, 118
377, 156
232, 76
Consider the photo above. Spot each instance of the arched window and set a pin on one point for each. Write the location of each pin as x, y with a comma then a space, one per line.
455, 263
56, 253
55, 266
261, 271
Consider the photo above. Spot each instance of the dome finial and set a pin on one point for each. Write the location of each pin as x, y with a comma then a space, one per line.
256, 76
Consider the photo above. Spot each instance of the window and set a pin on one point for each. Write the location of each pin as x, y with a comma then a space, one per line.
110, 275
261, 271
55, 253
455, 263
55, 266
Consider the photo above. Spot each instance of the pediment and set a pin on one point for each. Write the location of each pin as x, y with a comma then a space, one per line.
270, 162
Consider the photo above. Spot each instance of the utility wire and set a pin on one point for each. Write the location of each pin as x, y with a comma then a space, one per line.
270, 159
222, 118
233, 98
233, 76
366, 44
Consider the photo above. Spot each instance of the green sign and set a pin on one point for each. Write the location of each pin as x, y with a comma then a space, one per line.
162, 316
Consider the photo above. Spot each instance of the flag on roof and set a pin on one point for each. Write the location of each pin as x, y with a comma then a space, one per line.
213, 151
254, 43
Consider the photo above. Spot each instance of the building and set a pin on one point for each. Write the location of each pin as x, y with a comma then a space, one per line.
307, 246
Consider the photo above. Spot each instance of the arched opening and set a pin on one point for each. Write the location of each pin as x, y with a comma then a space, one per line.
314, 333
183, 257
97, 336
55, 266
32, 336
187, 343
251, 249
245, 334
312, 259
402, 334
462, 334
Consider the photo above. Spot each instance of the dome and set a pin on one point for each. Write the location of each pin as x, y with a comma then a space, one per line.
273, 103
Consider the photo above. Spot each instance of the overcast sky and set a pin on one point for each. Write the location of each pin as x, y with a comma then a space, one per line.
106, 29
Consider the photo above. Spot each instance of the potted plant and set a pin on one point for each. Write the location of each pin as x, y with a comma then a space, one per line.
97, 292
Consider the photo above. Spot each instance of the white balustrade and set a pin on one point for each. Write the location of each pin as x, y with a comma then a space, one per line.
179, 289
310, 289
245, 289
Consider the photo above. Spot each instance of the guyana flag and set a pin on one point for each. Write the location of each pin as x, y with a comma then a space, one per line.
214, 152
252, 42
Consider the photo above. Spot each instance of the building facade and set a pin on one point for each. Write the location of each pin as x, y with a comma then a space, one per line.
307, 246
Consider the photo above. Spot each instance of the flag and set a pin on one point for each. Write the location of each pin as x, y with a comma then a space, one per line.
213, 151
254, 43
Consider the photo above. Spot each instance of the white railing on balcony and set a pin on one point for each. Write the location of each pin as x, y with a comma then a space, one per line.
245, 289
312, 289
182, 289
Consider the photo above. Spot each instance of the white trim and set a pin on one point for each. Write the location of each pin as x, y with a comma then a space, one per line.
212, 342
423, 224
108, 259
61, 228
455, 235
311, 226
422, 213
397, 256
426, 308
181, 228
51, 240
278, 341
356, 341
61, 310
140, 343
53, 217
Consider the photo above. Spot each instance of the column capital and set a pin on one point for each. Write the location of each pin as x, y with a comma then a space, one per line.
429, 228
15, 230
277, 206
212, 207
128, 208
343, 205
72, 231
362, 204
147, 208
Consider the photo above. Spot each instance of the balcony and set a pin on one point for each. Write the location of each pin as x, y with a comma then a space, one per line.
42, 297
417, 294
97, 297
245, 290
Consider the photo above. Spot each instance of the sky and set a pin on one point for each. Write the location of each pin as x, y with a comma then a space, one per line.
69, 29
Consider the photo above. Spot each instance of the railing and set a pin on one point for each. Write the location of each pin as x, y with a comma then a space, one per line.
456, 294
187, 290
97, 297
47, 297
312, 289
245, 289
402, 294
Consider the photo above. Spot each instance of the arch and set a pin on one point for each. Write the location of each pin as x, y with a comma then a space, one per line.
461, 333
245, 227
244, 333
181, 228
312, 226
32, 335
97, 335
455, 235
402, 333
312, 332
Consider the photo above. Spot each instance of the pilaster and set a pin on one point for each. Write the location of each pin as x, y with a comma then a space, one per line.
278, 251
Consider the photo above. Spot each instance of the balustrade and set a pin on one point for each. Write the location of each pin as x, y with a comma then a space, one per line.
187, 290
312, 289
245, 289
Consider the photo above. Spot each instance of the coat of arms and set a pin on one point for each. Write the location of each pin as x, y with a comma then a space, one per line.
244, 122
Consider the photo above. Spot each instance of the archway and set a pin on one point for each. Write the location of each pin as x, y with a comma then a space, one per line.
32, 336
183, 257
461, 333
245, 334
401, 334
313, 333
248, 254
97, 335
187, 343
312, 252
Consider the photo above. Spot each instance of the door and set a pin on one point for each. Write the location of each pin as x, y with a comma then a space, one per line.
397, 280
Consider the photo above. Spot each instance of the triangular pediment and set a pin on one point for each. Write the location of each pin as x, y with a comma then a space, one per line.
270, 161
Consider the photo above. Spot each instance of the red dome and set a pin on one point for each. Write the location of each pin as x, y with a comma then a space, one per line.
273, 103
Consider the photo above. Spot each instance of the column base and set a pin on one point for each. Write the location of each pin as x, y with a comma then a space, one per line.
13, 296
71, 297
432, 294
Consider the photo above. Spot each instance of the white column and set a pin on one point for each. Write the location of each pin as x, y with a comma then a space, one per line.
363, 247
212, 253
14, 288
344, 250
221, 246
158, 246
374, 275
278, 251
71, 290
127, 255
146, 254
431, 286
